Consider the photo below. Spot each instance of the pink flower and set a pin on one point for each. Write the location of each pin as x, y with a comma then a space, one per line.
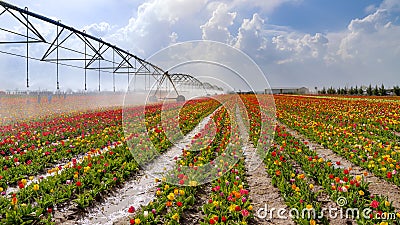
245, 213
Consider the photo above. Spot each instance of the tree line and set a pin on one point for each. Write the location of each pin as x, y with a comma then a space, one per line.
376, 91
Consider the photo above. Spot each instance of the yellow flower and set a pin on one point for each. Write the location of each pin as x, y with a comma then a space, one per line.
175, 217
232, 207
1, 189
312, 222
36, 187
192, 183
311, 186
137, 221
309, 207
86, 169
250, 207
76, 176
176, 191
158, 192
360, 192
384, 223
358, 177
171, 196
31, 178
181, 192
387, 203
24, 181
301, 176
166, 187
297, 189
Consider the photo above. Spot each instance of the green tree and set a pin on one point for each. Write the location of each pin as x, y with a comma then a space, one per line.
331, 91
396, 90
360, 91
323, 91
376, 91
382, 91
369, 90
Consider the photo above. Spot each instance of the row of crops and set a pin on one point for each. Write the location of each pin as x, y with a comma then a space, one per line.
56, 162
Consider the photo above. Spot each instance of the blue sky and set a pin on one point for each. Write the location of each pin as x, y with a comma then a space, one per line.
295, 42
321, 15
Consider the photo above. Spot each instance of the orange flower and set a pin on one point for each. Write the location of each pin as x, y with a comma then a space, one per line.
168, 204
14, 201
278, 172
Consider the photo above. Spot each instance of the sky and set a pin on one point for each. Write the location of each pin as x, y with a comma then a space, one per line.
311, 43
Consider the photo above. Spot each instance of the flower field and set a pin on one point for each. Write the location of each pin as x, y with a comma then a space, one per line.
70, 161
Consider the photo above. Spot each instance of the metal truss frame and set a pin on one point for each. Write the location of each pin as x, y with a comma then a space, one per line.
111, 59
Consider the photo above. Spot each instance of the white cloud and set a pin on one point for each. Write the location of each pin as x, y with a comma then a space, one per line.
98, 30
216, 28
155, 23
250, 36
265, 6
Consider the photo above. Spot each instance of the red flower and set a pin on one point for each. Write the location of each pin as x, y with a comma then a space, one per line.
49, 210
374, 204
331, 176
389, 175
131, 209
179, 204
338, 163
346, 171
212, 221
223, 218
132, 221
21, 185
78, 184
245, 213
237, 208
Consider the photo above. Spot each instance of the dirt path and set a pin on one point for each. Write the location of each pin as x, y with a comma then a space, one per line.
137, 192
377, 185
195, 215
263, 195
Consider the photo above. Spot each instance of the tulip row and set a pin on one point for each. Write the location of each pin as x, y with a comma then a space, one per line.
35, 134
171, 200
30, 163
359, 141
229, 201
24, 108
80, 182
336, 181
